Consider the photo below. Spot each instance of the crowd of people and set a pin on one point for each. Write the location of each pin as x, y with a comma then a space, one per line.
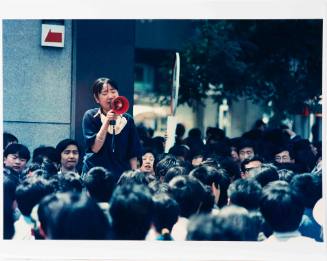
265, 185
262, 186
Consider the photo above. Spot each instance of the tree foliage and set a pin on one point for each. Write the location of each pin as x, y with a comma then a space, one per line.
271, 61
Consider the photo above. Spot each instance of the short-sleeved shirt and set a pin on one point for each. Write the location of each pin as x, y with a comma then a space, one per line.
127, 145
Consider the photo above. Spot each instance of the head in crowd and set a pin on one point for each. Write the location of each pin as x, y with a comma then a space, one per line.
74, 216
100, 184
232, 223
165, 214
304, 156
46, 154
281, 207
181, 152
9, 188
180, 131
16, 157
8, 139
158, 145
308, 187
131, 209
30, 192
147, 162
286, 175
231, 167
267, 173
216, 179
173, 172
70, 181
246, 149
283, 154
214, 135
134, 177
68, 152
251, 167
157, 187
164, 165
245, 193
189, 194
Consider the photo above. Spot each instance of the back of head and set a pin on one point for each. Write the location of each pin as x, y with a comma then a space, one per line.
80, 217
30, 192
268, 173
245, 193
45, 152
164, 165
232, 223
131, 209
308, 187
165, 212
173, 172
70, 181
100, 183
133, 177
189, 194
280, 207
210, 175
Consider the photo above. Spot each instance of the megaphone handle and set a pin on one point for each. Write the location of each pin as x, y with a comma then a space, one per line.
113, 139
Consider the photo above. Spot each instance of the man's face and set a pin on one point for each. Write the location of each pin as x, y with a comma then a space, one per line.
69, 157
246, 153
283, 157
252, 168
14, 162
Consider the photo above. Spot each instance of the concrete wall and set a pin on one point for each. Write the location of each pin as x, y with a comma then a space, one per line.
36, 84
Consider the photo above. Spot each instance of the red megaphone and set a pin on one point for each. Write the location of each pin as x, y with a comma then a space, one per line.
119, 105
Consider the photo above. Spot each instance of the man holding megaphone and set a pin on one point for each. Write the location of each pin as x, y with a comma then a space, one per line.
110, 134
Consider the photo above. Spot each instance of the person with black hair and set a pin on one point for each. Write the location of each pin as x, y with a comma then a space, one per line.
68, 152
134, 176
147, 162
173, 172
28, 194
164, 165
46, 154
217, 179
245, 193
283, 210
8, 139
286, 175
111, 140
190, 195
250, 167
16, 157
268, 173
179, 134
308, 187
246, 149
71, 215
131, 209
232, 223
70, 181
9, 188
165, 215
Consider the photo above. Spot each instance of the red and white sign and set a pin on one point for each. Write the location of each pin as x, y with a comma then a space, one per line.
53, 35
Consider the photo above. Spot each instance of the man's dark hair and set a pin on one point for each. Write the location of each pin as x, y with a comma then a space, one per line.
30, 192
9, 188
245, 193
189, 194
80, 218
165, 212
268, 173
247, 161
100, 183
173, 172
308, 187
21, 150
133, 177
280, 207
232, 223
209, 175
131, 209
246, 143
164, 165
70, 181
286, 175
45, 152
